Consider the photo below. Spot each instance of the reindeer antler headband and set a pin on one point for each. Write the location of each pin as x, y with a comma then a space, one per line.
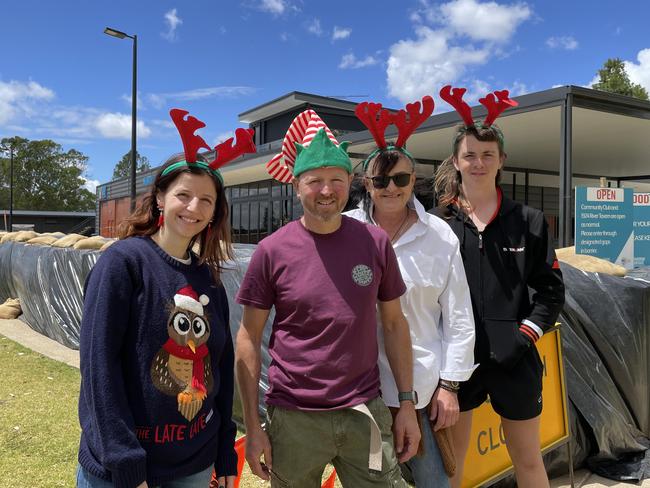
495, 103
377, 119
224, 152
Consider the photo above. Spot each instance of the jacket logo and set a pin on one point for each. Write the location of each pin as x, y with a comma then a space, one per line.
362, 275
514, 249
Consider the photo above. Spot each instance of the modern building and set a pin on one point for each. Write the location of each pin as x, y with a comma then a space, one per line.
555, 139
50, 221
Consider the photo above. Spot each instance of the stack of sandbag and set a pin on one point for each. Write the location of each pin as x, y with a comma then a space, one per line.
591, 264
58, 239
10, 309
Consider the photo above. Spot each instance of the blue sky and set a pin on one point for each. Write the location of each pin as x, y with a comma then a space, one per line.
61, 78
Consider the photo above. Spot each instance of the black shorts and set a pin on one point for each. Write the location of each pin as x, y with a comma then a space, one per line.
515, 394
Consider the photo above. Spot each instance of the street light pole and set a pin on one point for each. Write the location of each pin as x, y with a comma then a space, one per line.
11, 187
134, 99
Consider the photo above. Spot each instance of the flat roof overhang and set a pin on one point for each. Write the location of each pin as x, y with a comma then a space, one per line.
291, 101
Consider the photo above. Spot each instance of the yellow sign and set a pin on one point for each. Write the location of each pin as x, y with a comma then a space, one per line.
487, 457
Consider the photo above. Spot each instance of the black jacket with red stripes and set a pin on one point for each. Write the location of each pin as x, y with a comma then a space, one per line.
510, 256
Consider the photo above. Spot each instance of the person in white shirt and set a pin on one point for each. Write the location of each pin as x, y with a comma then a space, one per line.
436, 304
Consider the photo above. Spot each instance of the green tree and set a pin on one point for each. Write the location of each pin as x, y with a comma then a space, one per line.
45, 177
123, 167
614, 79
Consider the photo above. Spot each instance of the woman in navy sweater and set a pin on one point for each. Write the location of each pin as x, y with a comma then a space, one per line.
156, 351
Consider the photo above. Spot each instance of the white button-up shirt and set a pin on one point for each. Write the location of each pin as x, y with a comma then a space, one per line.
436, 304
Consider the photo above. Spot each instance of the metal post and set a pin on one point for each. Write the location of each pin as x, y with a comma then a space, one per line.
134, 99
566, 172
11, 187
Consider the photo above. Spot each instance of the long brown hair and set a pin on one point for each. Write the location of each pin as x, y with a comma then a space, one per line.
214, 242
447, 182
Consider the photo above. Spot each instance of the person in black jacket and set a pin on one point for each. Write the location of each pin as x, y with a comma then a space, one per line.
506, 250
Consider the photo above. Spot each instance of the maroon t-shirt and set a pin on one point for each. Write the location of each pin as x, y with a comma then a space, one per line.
325, 289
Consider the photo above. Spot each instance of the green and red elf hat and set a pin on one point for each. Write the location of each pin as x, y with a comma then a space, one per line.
224, 152
308, 144
495, 103
377, 120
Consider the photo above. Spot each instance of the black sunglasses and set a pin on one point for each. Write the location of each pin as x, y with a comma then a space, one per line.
400, 180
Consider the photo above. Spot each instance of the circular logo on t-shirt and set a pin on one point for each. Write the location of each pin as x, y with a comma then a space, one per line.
362, 275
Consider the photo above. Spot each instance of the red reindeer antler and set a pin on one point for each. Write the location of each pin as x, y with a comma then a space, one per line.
455, 99
415, 118
226, 151
367, 113
494, 107
186, 128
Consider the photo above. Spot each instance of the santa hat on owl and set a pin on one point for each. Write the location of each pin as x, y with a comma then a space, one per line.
188, 299
308, 144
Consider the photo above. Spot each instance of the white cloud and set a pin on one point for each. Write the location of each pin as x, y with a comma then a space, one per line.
91, 185
276, 7
118, 126
161, 100
128, 98
19, 99
173, 21
562, 42
639, 72
314, 27
350, 61
462, 34
487, 21
341, 33
421, 66
222, 137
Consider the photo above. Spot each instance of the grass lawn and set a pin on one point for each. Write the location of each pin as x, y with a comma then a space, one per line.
39, 430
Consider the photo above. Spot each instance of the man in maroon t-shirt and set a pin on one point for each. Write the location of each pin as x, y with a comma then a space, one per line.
325, 274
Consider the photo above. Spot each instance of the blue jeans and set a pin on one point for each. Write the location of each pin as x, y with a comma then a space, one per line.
427, 471
198, 480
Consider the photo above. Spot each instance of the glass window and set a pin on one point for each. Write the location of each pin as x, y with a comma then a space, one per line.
235, 219
252, 189
263, 187
276, 216
264, 220
276, 189
245, 224
254, 227
234, 192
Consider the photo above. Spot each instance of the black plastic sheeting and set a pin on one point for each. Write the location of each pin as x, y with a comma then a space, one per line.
605, 334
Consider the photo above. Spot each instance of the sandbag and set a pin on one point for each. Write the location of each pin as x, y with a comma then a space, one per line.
107, 244
10, 309
25, 235
95, 242
591, 264
68, 241
9, 236
43, 240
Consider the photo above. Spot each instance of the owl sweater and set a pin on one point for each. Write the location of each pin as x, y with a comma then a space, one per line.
156, 369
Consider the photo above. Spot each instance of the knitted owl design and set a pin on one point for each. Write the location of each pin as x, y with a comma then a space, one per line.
181, 368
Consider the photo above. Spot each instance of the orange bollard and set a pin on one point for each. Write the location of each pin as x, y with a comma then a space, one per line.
329, 483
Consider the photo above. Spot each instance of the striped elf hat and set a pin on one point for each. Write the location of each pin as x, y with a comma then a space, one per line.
302, 131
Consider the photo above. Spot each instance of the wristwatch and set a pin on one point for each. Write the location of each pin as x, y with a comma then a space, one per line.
452, 386
411, 396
